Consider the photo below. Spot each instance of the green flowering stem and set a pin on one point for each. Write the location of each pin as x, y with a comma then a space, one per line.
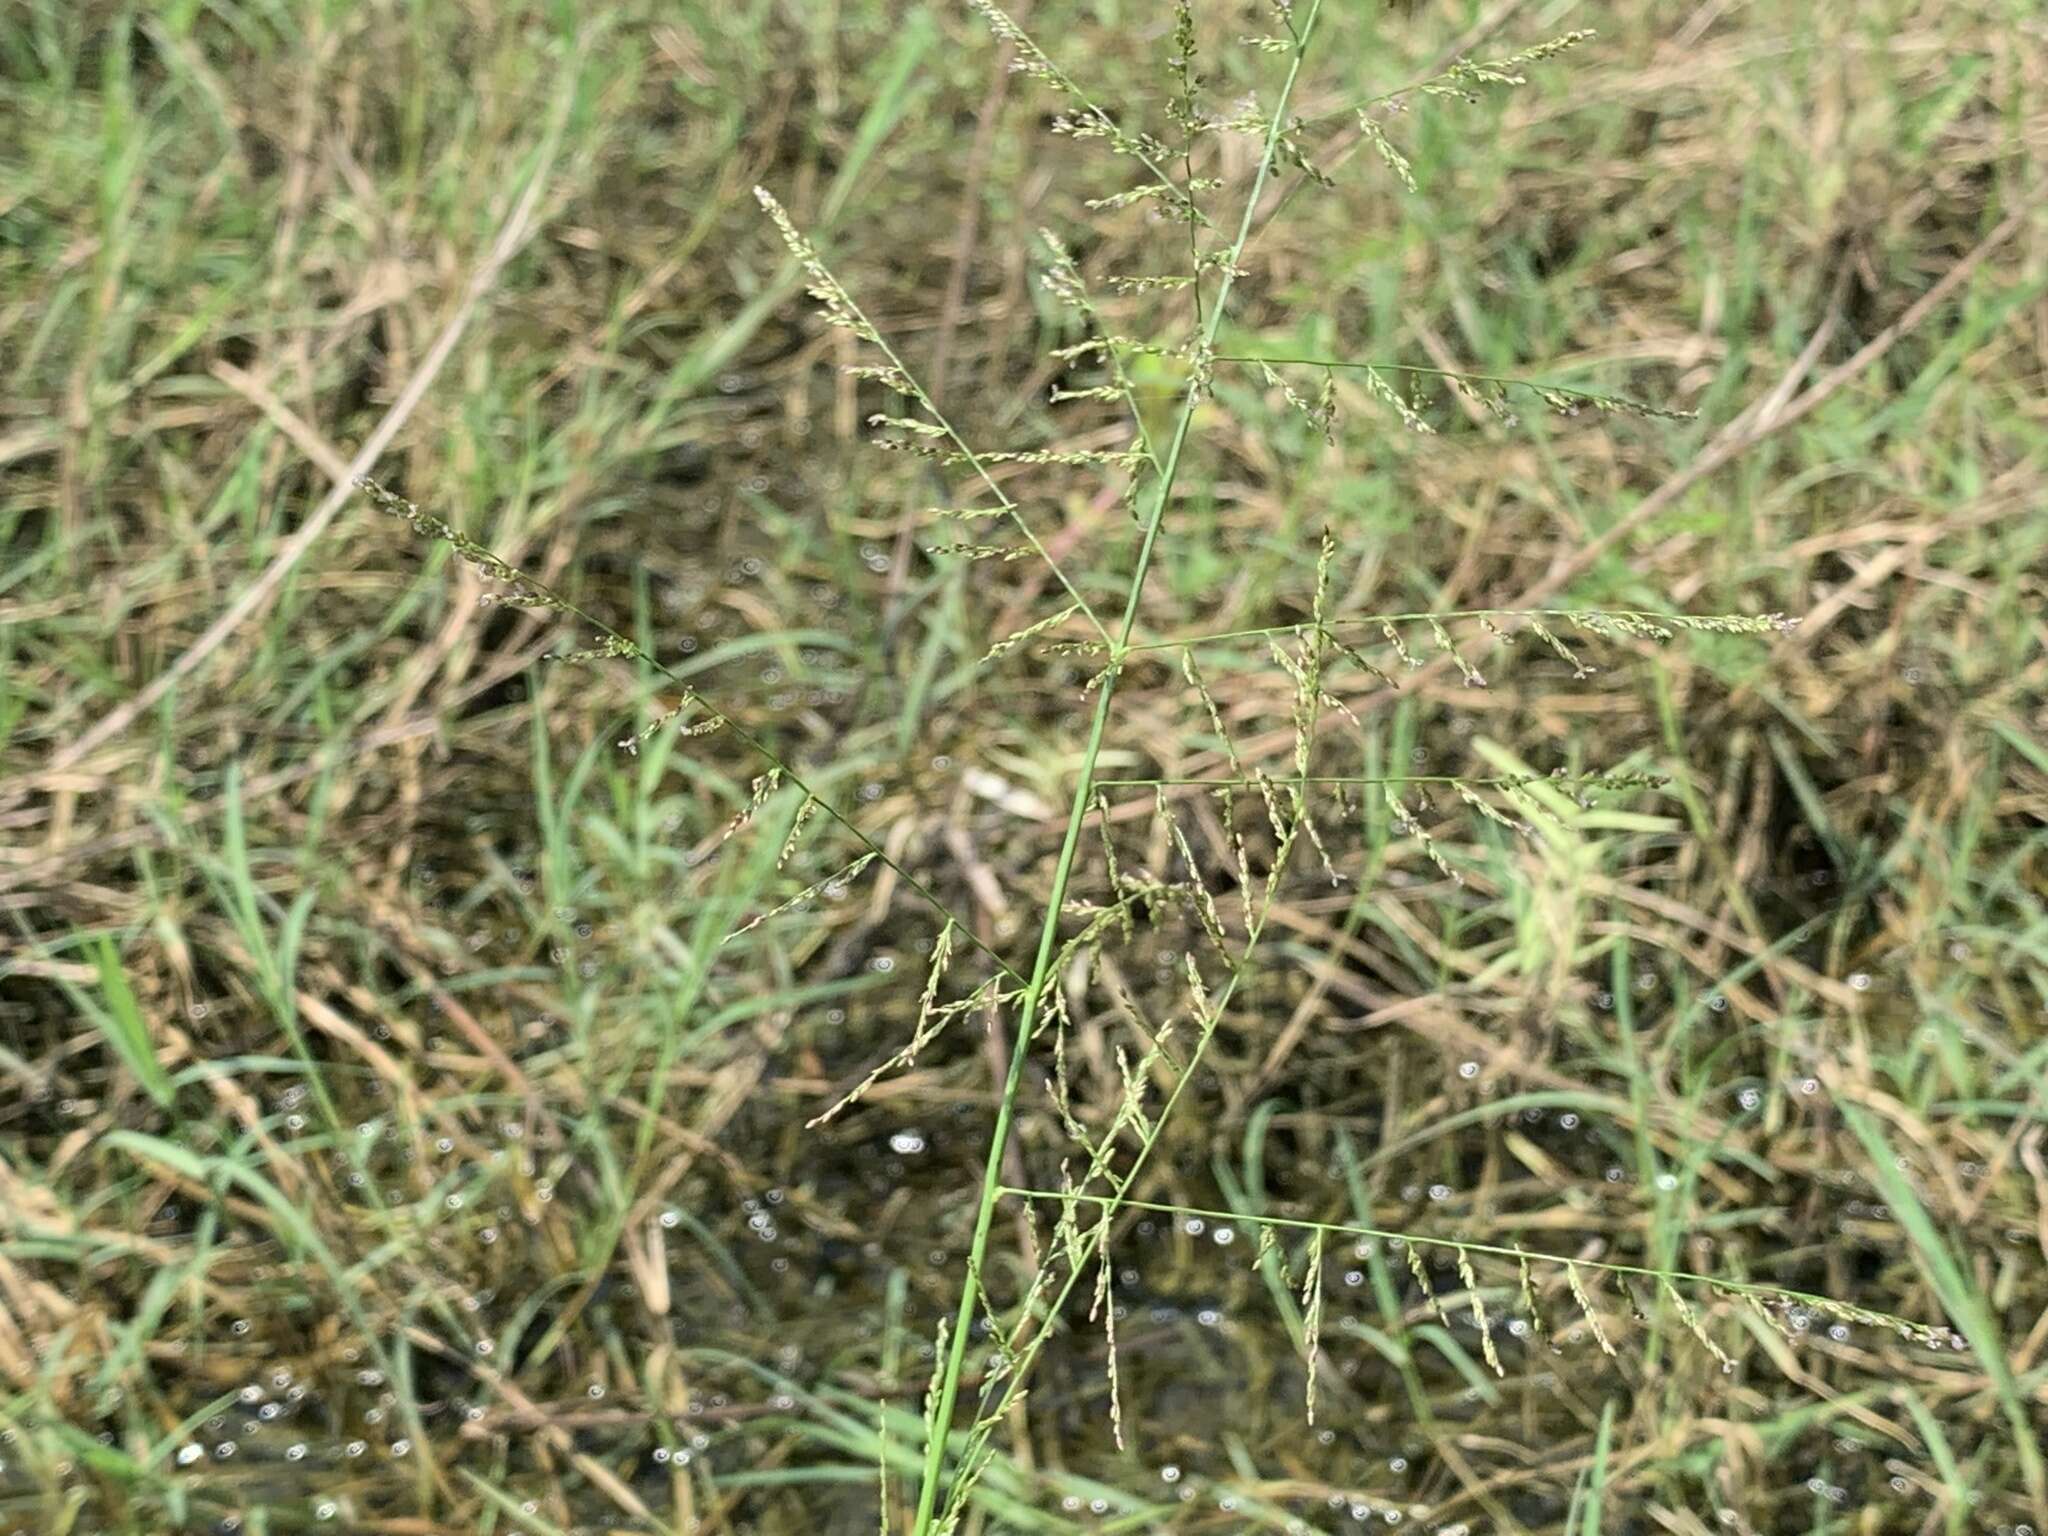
1084, 792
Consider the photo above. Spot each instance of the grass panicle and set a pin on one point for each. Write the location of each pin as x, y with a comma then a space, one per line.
1311, 656
1180, 744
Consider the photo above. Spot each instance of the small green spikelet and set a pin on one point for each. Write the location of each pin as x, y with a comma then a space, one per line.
1011, 641
519, 589
1312, 1317
1479, 1318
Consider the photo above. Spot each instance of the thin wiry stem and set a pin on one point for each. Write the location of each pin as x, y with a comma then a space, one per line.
1496, 72
1084, 791
1494, 1250
1082, 1251
1728, 623
1184, 63
1040, 64
975, 463
1281, 781
1461, 68
627, 649
1084, 1245
1071, 288
1498, 380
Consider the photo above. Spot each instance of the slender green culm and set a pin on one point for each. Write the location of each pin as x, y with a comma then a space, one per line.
1083, 796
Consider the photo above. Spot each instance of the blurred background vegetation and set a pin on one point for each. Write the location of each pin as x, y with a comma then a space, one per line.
387, 1143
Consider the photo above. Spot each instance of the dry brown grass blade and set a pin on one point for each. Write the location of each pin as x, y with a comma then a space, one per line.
545, 1426
1781, 409
304, 436
518, 227
1784, 406
37, 876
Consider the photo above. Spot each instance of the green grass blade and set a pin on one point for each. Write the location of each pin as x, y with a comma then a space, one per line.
1959, 1296
126, 1032
1596, 1479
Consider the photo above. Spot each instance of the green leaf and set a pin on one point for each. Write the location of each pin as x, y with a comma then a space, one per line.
1958, 1294
127, 1033
1596, 1484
